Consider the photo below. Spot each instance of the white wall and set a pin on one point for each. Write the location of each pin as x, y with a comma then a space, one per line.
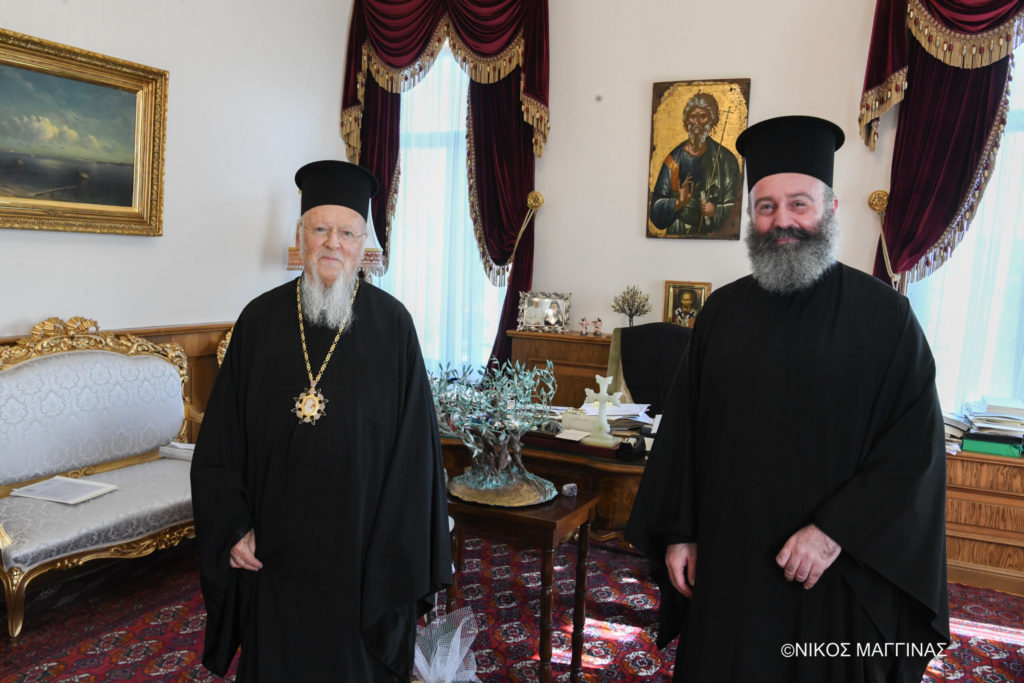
255, 91
802, 57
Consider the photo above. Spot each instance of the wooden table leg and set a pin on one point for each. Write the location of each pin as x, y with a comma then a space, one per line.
458, 542
547, 576
460, 547
450, 594
579, 614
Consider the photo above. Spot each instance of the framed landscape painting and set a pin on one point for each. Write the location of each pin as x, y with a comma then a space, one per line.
81, 140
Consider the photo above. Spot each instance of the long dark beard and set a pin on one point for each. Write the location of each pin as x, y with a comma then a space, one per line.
784, 268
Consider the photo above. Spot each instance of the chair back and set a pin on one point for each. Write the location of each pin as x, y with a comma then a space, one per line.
643, 361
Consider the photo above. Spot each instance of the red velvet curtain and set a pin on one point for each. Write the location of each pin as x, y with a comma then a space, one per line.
951, 75
503, 160
974, 16
379, 140
503, 44
929, 181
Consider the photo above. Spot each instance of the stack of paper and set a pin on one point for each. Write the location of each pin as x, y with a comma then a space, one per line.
634, 410
177, 450
956, 426
65, 490
997, 427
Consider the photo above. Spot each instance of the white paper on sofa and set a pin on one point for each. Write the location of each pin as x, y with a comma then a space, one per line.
177, 450
64, 490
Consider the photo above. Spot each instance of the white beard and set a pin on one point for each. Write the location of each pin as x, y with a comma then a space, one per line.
326, 306
784, 268
698, 134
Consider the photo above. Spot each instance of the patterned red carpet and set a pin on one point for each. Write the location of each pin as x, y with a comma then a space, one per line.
143, 620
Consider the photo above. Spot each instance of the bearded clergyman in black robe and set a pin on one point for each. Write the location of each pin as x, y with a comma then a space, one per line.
793, 505
317, 479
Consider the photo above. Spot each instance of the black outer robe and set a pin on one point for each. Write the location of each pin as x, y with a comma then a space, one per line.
350, 514
812, 407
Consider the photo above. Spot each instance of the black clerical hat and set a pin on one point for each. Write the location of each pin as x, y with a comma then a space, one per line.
790, 144
336, 182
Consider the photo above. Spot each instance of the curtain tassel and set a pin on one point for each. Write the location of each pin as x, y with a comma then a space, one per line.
878, 201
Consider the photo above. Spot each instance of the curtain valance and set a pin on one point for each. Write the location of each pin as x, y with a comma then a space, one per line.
967, 34
948, 62
397, 42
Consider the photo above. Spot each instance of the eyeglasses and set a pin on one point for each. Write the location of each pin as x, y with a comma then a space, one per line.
344, 235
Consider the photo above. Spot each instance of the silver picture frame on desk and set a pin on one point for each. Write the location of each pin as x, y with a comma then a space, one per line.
543, 312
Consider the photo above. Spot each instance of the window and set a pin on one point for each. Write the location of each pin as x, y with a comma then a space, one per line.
972, 308
435, 267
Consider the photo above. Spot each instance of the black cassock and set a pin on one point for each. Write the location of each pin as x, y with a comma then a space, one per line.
812, 407
349, 513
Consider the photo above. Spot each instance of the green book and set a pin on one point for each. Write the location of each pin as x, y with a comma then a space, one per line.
1009, 450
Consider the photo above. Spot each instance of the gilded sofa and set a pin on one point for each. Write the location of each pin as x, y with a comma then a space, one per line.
83, 403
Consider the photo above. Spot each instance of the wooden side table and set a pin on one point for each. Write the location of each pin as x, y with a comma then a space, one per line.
615, 481
543, 526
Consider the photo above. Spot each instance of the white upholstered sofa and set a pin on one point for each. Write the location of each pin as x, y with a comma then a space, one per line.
84, 403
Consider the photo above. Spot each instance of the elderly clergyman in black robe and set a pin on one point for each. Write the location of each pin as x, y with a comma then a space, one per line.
317, 479
793, 506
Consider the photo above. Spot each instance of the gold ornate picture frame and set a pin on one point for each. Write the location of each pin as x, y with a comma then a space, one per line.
82, 140
684, 300
695, 176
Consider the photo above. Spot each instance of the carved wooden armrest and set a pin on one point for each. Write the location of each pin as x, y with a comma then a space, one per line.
5, 540
193, 414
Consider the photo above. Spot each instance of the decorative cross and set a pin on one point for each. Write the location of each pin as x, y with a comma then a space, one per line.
603, 399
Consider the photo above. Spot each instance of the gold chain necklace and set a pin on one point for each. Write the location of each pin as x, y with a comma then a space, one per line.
311, 405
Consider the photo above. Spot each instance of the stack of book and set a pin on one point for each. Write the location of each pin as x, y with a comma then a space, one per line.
956, 426
997, 427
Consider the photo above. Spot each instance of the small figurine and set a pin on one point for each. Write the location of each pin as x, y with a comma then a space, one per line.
584, 326
597, 327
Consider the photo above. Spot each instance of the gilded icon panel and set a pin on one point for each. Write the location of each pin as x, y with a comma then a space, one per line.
695, 178
684, 300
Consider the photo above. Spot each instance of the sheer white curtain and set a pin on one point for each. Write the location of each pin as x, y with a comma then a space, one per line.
435, 267
972, 308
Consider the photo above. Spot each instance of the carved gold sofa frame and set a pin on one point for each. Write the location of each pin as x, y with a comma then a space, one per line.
128, 394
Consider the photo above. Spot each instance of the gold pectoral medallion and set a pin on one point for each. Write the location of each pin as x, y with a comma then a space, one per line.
310, 405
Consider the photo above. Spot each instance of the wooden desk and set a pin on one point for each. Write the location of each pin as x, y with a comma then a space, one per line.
543, 526
576, 359
985, 521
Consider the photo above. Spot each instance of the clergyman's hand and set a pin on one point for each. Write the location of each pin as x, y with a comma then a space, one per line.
685, 192
243, 554
681, 560
806, 555
708, 209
